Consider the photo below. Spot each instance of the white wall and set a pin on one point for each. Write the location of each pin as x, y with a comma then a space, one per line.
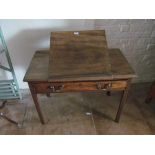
24, 37
136, 39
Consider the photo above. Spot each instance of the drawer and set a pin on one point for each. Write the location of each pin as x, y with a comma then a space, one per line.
45, 87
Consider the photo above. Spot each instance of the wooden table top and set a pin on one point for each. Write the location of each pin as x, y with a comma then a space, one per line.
39, 66
77, 54
89, 38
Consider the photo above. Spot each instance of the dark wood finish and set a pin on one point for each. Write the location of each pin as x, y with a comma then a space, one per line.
41, 84
35, 99
72, 53
74, 64
123, 100
89, 38
78, 61
38, 69
49, 87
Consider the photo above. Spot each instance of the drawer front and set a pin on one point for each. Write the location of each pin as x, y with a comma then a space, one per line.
45, 87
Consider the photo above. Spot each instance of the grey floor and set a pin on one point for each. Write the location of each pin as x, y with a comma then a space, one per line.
82, 113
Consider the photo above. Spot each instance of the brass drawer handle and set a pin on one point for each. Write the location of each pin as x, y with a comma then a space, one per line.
103, 86
58, 88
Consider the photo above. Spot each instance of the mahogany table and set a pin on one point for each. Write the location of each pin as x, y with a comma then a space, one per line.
77, 62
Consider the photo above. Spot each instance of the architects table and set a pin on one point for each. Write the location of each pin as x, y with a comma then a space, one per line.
77, 62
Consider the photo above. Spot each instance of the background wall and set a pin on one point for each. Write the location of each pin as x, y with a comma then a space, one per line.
136, 39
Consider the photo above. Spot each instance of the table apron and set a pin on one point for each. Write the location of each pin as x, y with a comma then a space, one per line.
60, 87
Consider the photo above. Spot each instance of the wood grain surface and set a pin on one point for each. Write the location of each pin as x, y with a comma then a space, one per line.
78, 61
76, 54
45, 87
38, 68
89, 38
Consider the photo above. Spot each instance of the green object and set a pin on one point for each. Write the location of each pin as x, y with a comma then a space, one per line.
9, 89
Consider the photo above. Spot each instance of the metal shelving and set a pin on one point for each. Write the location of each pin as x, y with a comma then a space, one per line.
9, 88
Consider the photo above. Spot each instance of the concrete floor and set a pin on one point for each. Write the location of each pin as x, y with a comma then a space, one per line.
82, 113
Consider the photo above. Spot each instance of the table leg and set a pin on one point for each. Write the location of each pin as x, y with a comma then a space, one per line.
123, 100
35, 99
